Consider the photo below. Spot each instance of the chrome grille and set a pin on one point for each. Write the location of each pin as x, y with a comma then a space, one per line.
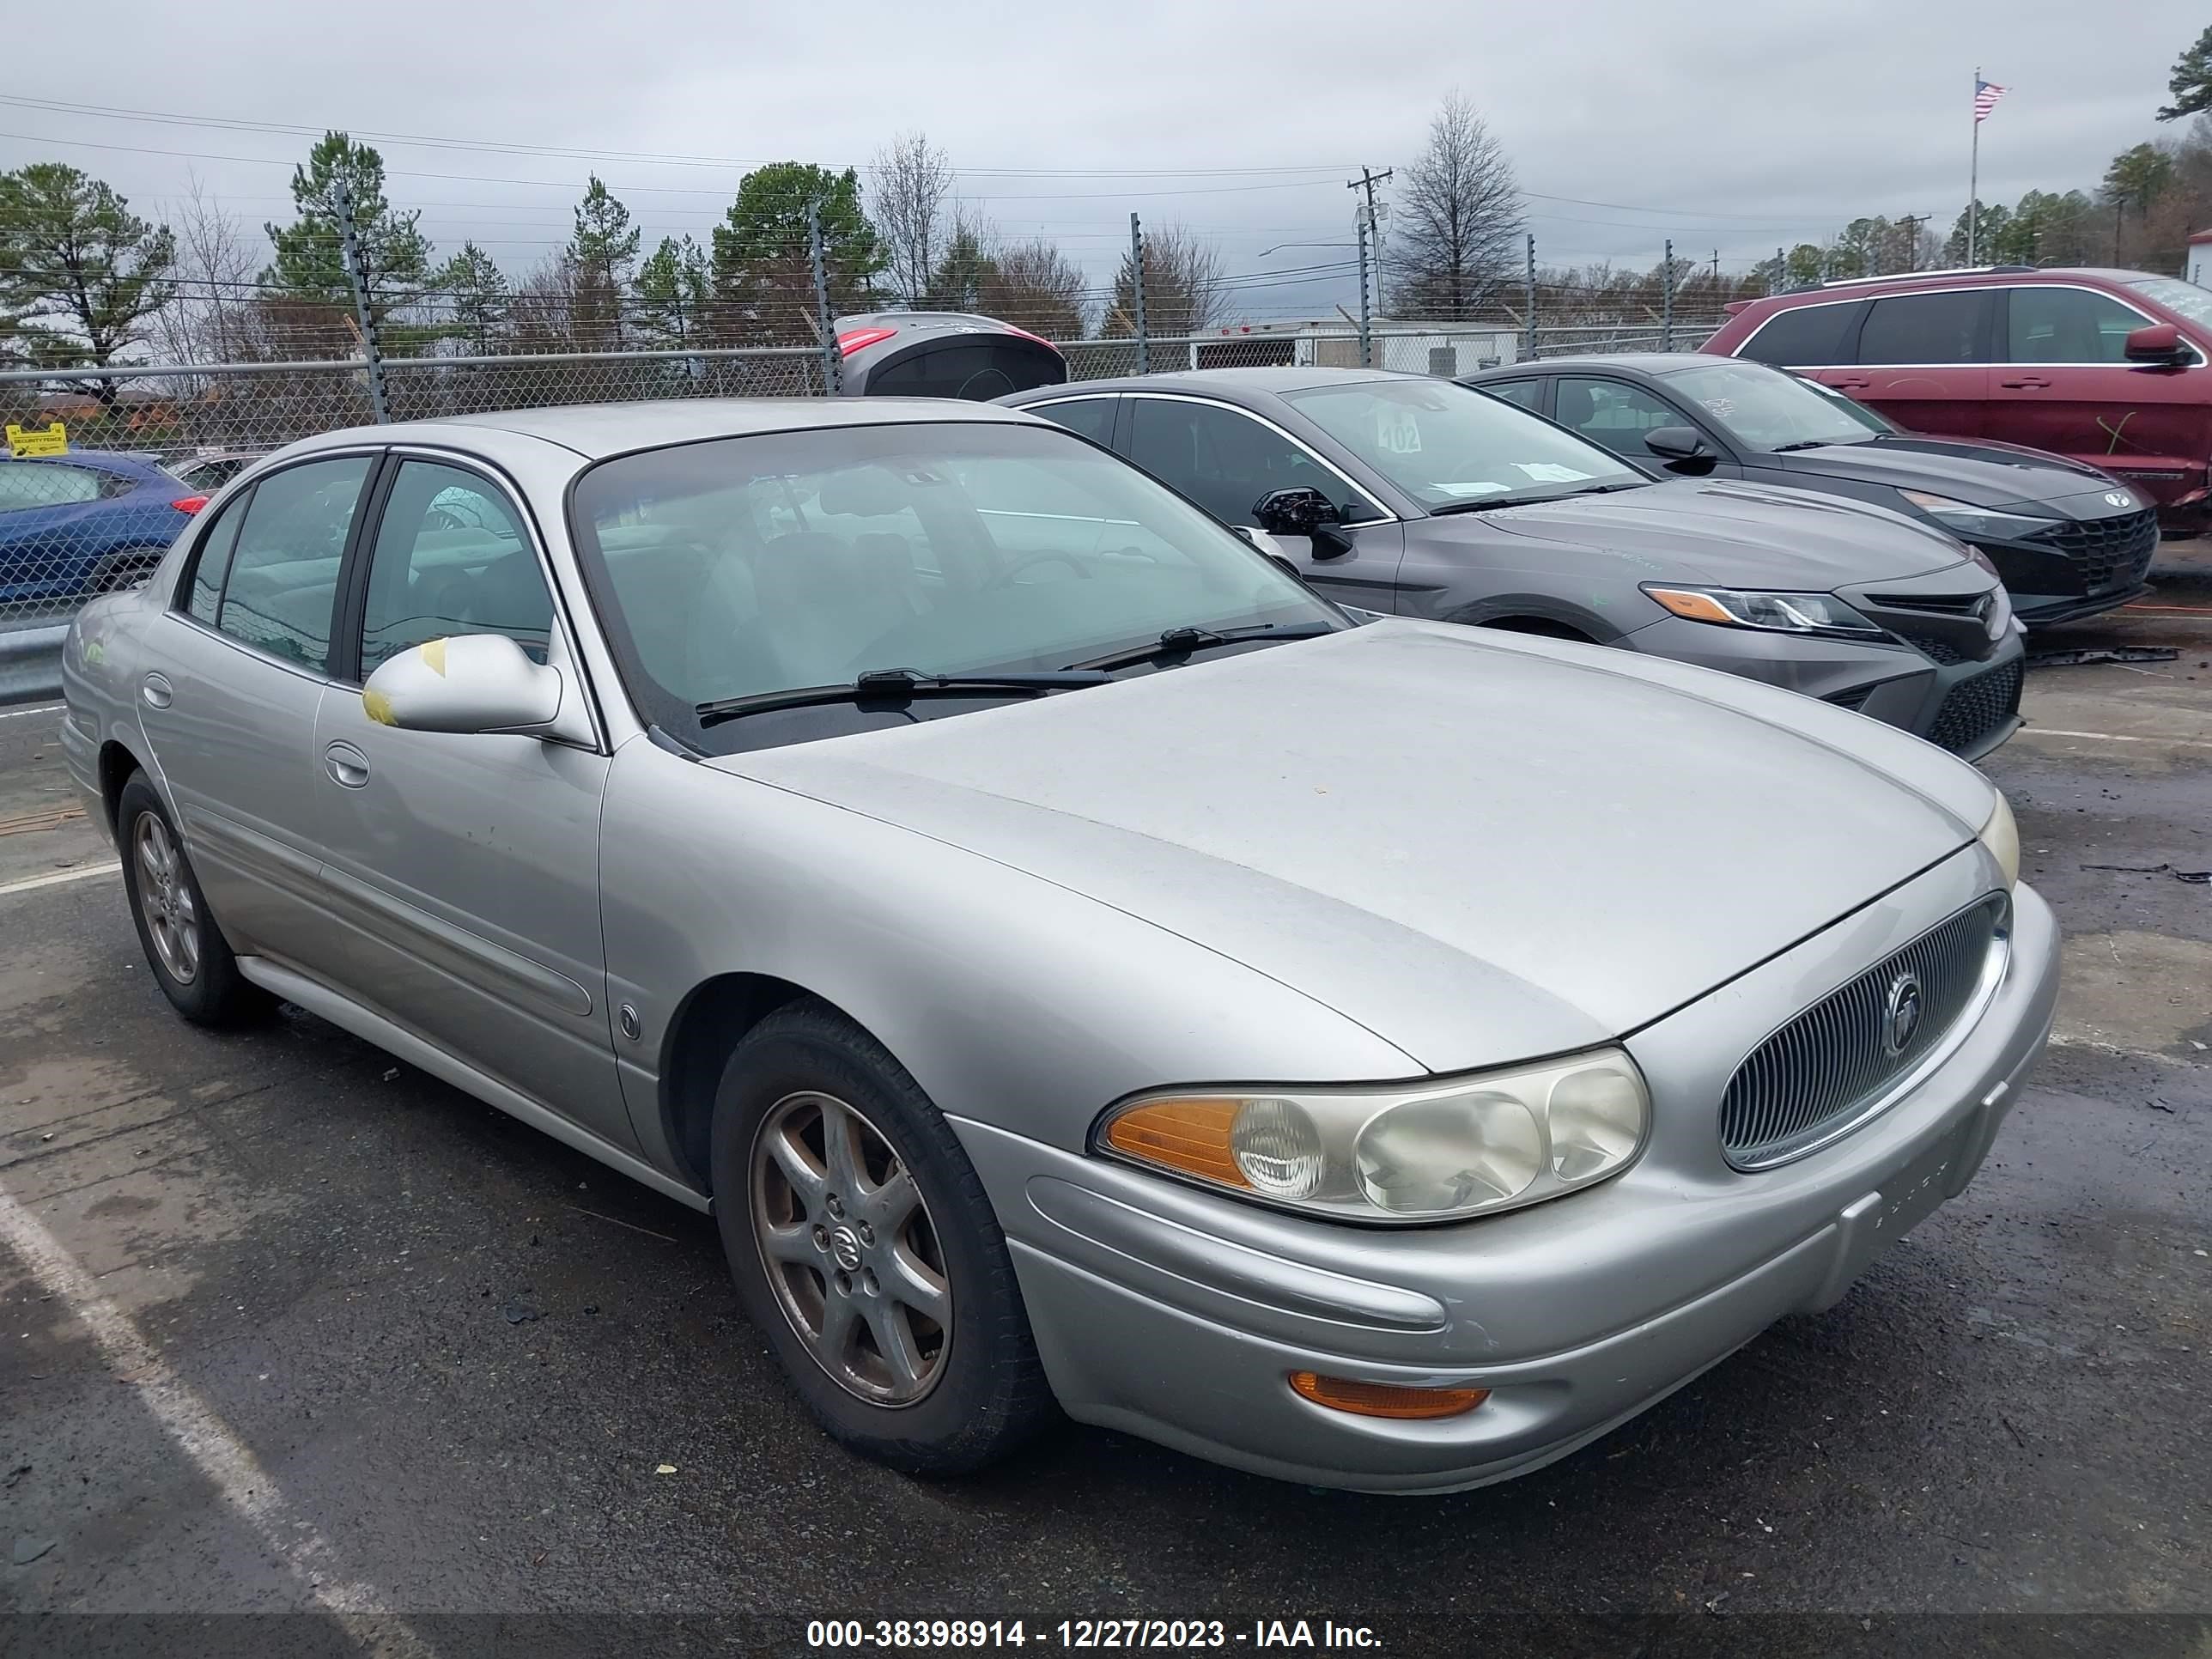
1817, 1077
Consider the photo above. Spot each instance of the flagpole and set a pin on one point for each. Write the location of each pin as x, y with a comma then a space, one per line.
1974, 175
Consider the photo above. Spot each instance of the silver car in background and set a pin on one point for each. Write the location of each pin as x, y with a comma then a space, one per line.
1069, 959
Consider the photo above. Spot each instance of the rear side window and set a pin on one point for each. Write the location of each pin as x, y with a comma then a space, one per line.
212, 566
284, 570
1527, 394
1093, 417
1925, 328
1805, 336
25, 484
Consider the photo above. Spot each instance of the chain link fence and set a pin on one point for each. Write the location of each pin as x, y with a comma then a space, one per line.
146, 444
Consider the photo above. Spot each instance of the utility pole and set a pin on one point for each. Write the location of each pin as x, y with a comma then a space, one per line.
350, 248
833, 360
1137, 284
1370, 242
1667, 298
1716, 268
1529, 299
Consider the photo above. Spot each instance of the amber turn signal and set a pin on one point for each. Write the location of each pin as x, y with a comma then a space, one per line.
1189, 1135
1697, 607
1342, 1394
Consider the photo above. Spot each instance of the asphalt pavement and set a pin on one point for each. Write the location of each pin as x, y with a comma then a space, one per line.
288, 1328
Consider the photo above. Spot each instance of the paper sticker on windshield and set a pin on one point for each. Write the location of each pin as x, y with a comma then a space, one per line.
1723, 407
1397, 431
1469, 489
1550, 472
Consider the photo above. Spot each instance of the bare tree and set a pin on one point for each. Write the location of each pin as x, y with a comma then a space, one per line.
213, 318
912, 178
1033, 285
1183, 291
1458, 218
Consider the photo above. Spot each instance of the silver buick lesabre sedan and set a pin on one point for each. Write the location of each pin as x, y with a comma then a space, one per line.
1070, 960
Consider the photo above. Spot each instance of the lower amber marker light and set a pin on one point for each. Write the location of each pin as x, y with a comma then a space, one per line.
1345, 1393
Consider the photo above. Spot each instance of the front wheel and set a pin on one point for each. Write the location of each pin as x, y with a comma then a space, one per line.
866, 1250
191, 961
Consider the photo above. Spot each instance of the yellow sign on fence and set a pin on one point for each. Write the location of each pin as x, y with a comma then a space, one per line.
24, 442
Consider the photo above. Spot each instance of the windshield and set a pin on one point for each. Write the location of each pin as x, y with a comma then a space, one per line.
1446, 445
1768, 409
2183, 299
747, 566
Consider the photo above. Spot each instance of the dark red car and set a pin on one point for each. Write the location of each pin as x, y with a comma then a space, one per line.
2104, 366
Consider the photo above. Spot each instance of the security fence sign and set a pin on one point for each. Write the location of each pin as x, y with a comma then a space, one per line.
28, 443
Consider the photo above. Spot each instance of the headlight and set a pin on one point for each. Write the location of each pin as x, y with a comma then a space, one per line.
2001, 834
1785, 613
1426, 1152
1964, 519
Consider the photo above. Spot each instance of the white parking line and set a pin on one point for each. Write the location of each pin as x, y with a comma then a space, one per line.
215, 1450
58, 876
2112, 737
25, 713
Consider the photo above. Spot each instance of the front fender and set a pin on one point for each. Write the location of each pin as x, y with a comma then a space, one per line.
1012, 1001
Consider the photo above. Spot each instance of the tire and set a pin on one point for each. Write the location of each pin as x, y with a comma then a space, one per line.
192, 962
901, 1388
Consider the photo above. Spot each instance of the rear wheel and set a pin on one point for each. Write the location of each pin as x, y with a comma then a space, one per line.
866, 1250
191, 961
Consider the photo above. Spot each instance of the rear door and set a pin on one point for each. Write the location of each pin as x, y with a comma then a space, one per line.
2066, 384
233, 674
1226, 459
1923, 360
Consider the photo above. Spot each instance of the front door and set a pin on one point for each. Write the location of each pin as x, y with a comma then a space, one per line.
2066, 385
1614, 415
1923, 361
464, 869
234, 674
1226, 460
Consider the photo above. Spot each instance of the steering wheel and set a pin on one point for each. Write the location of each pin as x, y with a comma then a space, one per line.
1006, 578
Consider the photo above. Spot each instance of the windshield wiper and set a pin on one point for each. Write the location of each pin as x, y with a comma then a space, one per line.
1181, 641
900, 685
1490, 503
1806, 443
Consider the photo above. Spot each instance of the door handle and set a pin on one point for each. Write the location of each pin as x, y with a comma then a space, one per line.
1845, 386
2026, 380
347, 765
155, 690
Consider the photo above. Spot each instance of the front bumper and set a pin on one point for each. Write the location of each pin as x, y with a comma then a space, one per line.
1969, 708
1176, 1315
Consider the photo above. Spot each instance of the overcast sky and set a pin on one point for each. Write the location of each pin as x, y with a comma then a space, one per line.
1735, 129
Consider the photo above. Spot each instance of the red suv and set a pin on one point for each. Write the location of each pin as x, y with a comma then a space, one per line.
2104, 366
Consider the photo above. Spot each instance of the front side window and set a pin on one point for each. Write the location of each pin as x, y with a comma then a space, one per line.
1612, 414
285, 571
1453, 450
2068, 326
27, 484
451, 558
1226, 461
752, 565
1925, 328
1766, 408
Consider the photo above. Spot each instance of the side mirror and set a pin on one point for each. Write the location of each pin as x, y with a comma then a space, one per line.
2158, 343
470, 683
1683, 448
1294, 511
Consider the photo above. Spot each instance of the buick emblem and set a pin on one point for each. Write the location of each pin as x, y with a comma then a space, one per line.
1900, 1014
2118, 498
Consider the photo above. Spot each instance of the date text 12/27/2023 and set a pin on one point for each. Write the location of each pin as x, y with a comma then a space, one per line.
830, 1635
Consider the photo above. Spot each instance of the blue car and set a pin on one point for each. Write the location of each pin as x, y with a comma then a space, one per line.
86, 522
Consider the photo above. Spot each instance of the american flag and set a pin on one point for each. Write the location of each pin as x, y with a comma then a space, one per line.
1986, 94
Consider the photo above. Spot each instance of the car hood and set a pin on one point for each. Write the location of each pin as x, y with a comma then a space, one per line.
2004, 476
1736, 534
1480, 850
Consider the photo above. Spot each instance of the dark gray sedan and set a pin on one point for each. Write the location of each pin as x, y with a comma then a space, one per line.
2069, 540
1415, 496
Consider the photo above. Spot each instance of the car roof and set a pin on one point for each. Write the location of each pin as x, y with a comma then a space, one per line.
1638, 362
1217, 382
1905, 282
594, 430
118, 460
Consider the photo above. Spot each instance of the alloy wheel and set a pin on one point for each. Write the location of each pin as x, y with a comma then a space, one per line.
173, 916
849, 1249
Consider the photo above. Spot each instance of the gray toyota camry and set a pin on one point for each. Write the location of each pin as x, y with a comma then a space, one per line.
1403, 494
1069, 959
